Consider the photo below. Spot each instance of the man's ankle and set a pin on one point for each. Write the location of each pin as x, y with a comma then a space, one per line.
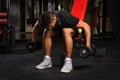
46, 56
68, 58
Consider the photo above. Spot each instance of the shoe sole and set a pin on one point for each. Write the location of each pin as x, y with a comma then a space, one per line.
66, 71
43, 67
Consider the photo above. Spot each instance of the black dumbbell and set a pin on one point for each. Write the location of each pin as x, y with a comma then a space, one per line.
85, 51
33, 46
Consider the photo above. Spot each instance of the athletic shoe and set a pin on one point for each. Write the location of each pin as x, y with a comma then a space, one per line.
46, 63
67, 67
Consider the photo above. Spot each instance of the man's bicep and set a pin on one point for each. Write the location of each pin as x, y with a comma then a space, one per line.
35, 27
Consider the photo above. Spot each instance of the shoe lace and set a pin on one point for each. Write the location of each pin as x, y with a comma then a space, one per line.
67, 62
45, 60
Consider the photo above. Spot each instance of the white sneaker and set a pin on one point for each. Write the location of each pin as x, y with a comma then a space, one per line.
46, 63
67, 67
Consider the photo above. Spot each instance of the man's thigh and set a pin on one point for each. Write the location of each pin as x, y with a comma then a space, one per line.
73, 31
48, 33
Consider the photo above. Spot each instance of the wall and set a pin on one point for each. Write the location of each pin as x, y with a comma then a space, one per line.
115, 16
14, 14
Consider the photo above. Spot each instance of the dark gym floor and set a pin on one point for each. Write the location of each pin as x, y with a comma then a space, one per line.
18, 64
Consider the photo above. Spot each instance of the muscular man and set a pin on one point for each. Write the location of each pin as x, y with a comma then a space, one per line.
60, 21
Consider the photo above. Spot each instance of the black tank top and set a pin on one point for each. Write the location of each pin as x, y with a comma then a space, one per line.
65, 19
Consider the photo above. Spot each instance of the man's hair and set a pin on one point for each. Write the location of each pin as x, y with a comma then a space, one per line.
45, 18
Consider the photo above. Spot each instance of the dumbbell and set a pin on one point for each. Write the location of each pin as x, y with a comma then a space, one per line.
85, 51
33, 46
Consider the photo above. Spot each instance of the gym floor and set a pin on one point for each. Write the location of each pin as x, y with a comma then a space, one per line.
18, 64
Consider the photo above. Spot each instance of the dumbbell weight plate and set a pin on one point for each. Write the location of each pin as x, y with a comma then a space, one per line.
84, 51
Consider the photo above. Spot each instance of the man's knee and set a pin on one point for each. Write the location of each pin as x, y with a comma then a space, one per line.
67, 32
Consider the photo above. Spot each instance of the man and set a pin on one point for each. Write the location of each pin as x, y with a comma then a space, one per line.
60, 21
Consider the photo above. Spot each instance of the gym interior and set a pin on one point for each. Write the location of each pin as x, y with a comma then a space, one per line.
17, 18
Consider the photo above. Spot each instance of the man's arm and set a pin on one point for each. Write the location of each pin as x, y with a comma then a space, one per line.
86, 27
35, 31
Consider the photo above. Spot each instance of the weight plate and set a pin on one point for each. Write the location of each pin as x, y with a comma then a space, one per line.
84, 51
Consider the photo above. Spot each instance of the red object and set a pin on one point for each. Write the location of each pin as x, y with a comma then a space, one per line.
77, 37
79, 8
3, 21
1, 31
3, 18
79, 11
3, 15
